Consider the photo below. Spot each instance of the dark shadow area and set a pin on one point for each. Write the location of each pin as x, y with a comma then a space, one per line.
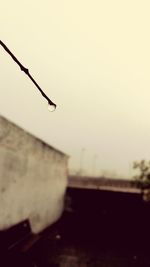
97, 229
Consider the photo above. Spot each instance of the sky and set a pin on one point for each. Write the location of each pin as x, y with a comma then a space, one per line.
92, 58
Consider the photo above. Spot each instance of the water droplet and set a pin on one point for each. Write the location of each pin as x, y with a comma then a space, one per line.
51, 107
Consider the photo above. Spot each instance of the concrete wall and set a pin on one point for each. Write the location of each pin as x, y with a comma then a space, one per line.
33, 179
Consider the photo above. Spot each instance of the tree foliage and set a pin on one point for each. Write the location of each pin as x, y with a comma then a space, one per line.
142, 179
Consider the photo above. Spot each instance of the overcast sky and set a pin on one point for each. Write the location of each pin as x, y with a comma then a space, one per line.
92, 58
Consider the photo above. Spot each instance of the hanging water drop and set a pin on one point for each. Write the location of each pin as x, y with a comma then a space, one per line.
51, 107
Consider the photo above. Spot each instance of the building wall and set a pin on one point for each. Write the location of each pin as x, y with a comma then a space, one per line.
33, 179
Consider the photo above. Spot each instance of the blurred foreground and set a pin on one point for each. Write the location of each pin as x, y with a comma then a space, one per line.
96, 230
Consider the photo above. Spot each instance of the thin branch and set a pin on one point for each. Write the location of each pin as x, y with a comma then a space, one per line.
27, 73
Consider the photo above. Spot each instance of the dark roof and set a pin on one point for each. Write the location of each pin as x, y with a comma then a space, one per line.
102, 183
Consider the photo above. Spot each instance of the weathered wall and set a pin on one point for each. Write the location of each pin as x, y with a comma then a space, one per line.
33, 179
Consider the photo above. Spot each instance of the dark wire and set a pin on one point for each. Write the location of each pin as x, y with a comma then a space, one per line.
27, 73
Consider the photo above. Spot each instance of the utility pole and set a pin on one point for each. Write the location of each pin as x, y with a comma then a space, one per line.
82, 155
94, 164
